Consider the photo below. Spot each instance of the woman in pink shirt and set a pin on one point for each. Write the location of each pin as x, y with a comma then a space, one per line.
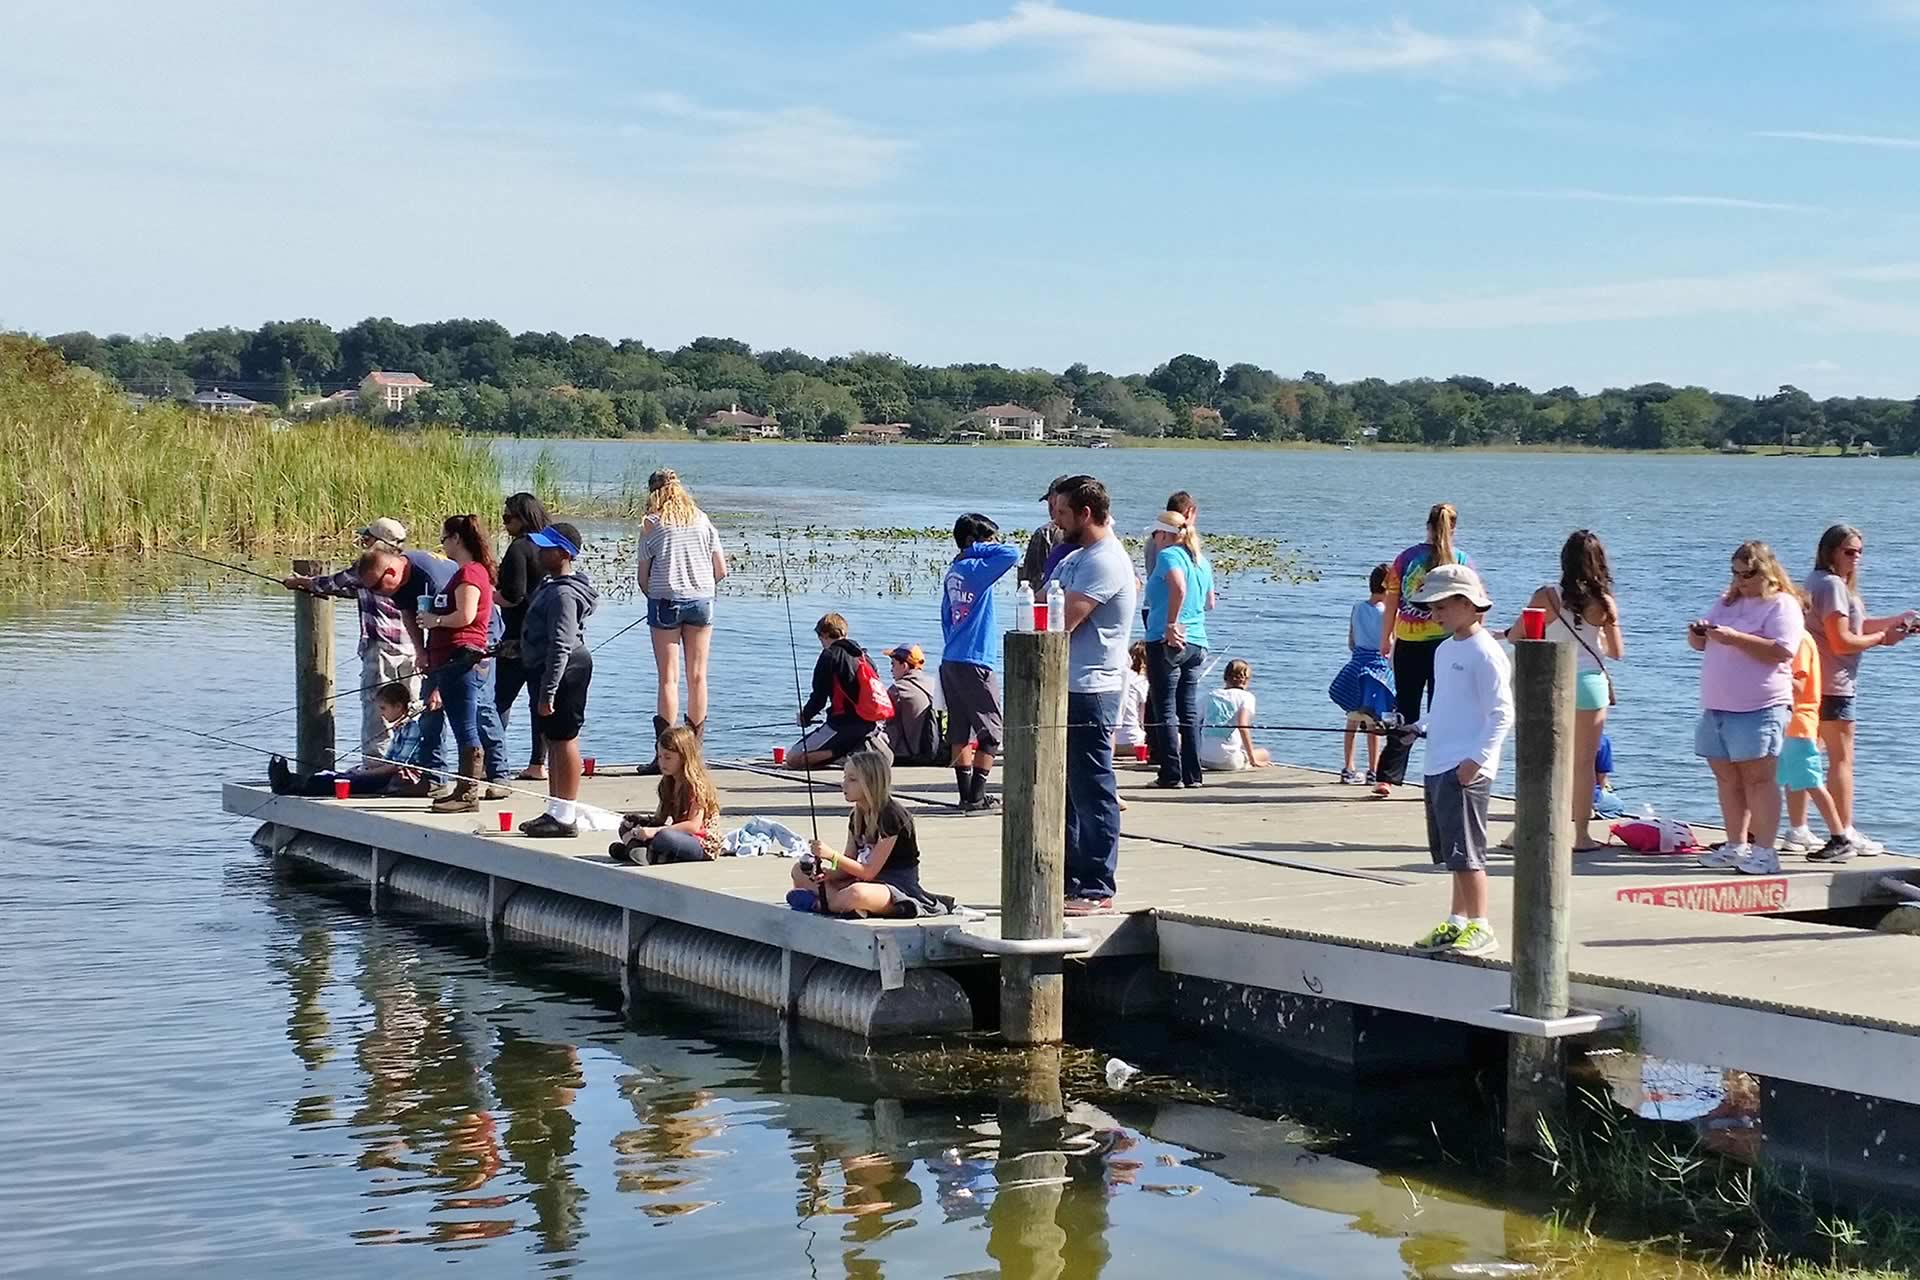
1746, 691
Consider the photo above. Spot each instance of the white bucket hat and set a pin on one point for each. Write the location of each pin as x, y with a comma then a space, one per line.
1452, 580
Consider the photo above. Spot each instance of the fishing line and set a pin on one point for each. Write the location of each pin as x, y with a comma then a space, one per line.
806, 751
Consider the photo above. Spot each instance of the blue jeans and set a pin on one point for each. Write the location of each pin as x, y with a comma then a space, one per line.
466, 691
1093, 798
1173, 681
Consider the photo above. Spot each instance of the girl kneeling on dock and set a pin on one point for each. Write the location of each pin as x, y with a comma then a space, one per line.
879, 874
685, 827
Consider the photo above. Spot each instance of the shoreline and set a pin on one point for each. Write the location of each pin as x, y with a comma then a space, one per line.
1174, 443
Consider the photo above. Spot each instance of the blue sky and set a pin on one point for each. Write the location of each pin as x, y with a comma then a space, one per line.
1562, 192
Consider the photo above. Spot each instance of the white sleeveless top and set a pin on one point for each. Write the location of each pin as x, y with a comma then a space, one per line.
1566, 628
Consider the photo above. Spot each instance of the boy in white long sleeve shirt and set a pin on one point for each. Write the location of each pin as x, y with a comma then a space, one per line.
1467, 725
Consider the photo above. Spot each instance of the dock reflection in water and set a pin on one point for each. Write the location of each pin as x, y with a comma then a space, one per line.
481, 1115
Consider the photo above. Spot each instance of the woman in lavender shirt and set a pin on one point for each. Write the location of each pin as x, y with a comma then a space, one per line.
1746, 690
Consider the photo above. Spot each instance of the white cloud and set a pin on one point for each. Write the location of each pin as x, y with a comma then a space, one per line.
807, 146
1843, 139
1823, 297
1122, 53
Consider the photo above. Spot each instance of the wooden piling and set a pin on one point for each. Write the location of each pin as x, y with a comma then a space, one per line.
313, 748
1543, 685
1033, 833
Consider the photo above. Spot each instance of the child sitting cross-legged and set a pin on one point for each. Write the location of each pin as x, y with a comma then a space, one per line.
685, 827
393, 774
879, 874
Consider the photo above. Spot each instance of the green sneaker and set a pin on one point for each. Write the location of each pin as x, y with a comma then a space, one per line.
1474, 940
1441, 939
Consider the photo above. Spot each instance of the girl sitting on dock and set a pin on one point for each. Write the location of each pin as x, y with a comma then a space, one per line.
1226, 743
685, 826
879, 874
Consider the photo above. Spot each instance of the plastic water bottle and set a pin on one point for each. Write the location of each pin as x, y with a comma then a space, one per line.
1023, 607
1056, 607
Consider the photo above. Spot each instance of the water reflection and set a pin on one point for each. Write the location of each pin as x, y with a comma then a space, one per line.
479, 1118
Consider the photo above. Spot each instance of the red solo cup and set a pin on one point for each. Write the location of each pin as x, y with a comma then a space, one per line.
506, 820
586, 765
1040, 616
1533, 624
779, 755
973, 744
1140, 753
342, 788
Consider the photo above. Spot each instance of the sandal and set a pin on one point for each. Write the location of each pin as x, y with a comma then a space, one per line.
549, 827
532, 773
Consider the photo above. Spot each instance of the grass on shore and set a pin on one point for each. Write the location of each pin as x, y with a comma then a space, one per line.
85, 474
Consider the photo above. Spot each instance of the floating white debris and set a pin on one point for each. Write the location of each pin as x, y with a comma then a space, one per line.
1118, 1073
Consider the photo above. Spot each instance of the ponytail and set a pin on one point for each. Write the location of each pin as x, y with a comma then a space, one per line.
1440, 521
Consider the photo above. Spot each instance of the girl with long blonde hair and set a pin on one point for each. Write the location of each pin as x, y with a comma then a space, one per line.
1749, 638
879, 872
681, 567
685, 825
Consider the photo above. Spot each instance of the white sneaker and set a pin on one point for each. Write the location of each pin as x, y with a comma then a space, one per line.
1762, 861
1798, 840
1865, 845
1723, 858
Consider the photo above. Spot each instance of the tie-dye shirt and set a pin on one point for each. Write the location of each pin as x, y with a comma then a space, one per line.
1409, 570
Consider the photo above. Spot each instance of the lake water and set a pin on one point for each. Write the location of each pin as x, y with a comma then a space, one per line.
213, 1072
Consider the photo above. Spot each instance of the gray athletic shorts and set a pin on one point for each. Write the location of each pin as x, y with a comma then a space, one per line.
972, 694
1457, 821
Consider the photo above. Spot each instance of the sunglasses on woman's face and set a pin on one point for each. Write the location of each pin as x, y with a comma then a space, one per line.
1745, 575
1852, 553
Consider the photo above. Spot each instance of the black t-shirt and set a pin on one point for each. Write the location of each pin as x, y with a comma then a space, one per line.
903, 864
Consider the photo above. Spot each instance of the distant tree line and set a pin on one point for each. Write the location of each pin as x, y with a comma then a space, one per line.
489, 380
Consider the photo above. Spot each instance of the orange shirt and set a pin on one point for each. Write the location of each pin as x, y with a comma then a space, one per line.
1805, 722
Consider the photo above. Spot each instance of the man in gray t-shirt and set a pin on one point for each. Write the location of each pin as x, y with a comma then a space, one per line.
1098, 581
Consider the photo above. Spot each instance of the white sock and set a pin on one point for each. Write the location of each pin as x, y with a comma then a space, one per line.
1851, 833
1483, 922
562, 810
1458, 922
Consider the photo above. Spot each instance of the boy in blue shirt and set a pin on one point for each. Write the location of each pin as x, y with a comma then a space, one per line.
970, 653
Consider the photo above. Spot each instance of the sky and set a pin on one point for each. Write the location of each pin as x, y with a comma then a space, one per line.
1597, 194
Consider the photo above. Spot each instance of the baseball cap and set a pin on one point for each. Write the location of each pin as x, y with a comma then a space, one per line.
385, 529
1452, 580
552, 537
909, 654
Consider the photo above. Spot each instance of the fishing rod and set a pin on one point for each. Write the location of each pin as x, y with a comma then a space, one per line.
806, 751
231, 568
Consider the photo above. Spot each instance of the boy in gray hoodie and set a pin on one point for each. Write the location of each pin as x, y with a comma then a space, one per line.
559, 667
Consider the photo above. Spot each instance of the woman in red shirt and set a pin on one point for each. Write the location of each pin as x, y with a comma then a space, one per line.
455, 621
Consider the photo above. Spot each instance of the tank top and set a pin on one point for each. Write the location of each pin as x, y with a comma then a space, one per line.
1567, 628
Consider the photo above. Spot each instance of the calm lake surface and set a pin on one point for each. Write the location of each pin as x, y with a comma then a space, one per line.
211, 1071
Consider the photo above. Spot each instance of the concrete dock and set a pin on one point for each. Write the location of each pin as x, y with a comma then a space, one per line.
1264, 901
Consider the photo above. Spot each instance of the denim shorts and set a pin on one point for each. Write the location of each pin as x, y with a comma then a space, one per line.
1740, 735
665, 615
1801, 767
1837, 708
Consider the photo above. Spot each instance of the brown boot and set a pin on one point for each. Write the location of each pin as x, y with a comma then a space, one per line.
465, 796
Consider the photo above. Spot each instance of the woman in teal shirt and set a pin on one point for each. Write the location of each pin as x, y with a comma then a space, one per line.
1179, 593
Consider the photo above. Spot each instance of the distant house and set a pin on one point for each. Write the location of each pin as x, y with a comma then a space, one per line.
737, 421
1009, 421
1370, 433
879, 432
390, 390
218, 401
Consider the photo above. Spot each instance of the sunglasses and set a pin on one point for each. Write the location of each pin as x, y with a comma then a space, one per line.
1852, 553
1746, 574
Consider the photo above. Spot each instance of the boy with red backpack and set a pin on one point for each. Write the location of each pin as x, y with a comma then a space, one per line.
848, 689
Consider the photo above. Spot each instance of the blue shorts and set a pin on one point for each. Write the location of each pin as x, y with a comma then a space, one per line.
1801, 766
665, 615
1740, 735
1837, 708
1591, 692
